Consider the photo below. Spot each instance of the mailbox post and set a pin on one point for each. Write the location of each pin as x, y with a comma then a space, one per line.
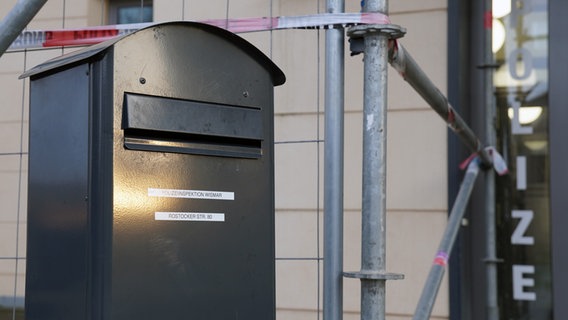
151, 179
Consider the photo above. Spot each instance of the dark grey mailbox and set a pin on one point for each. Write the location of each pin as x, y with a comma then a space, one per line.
151, 179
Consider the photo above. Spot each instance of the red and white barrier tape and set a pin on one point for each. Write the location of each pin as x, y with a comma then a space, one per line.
33, 39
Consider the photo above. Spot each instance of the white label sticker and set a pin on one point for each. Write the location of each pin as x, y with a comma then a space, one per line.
191, 194
189, 216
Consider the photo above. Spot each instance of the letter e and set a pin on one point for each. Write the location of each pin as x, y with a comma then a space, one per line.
520, 283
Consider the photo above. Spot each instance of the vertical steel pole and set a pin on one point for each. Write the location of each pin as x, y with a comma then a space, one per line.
17, 20
490, 137
373, 244
333, 168
374, 176
430, 290
373, 231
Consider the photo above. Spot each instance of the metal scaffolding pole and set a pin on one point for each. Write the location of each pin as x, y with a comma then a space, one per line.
333, 168
375, 43
373, 239
17, 20
430, 290
491, 259
373, 247
403, 62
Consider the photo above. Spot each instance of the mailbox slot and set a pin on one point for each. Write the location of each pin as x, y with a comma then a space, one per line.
182, 126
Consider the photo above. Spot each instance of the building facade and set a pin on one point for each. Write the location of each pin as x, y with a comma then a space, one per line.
445, 38
529, 116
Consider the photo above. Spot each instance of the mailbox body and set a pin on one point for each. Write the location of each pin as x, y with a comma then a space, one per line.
151, 179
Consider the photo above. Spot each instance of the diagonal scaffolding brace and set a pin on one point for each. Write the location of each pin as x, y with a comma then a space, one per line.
407, 67
432, 285
17, 20
411, 72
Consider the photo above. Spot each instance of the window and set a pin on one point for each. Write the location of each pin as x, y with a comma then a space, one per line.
130, 11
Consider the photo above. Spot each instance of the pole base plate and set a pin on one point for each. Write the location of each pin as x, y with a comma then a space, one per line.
373, 275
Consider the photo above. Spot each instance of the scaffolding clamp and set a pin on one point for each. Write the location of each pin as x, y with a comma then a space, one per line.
496, 160
358, 33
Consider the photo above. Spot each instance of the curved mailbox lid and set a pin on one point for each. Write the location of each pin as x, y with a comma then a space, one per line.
79, 56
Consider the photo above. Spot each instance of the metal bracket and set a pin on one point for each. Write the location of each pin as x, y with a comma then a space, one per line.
392, 30
489, 66
373, 275
493, 260
357, 34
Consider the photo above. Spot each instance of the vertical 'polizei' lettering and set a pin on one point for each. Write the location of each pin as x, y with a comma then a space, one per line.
521, 173
516, 127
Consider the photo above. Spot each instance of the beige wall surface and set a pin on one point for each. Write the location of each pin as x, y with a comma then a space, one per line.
416, 160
